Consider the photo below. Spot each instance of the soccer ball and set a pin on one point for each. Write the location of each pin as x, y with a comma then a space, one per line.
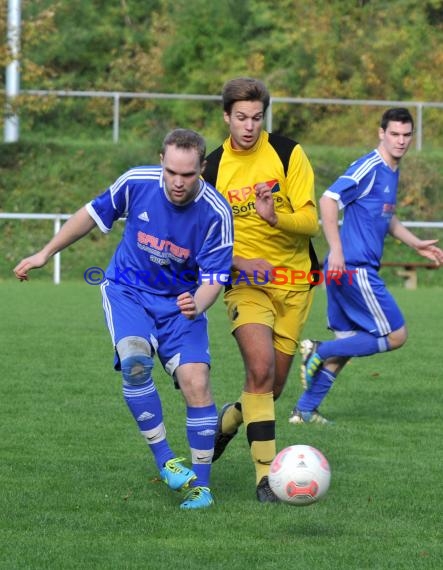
299, 475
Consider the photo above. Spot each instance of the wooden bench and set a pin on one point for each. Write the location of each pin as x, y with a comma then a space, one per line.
408, 270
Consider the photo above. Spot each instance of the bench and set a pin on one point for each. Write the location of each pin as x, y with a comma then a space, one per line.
408, 270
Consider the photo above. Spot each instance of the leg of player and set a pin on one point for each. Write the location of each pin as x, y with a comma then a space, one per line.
333, 356
201, 422
258, 401
285, 315
230, 417
143, 401
306, 409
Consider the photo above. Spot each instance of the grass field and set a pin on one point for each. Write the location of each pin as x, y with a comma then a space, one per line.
79, 489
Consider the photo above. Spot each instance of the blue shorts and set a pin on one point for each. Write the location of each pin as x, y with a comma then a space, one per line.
359, 300
175, 339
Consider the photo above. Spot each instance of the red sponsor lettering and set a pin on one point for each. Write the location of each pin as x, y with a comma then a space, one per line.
162, 245
240, 195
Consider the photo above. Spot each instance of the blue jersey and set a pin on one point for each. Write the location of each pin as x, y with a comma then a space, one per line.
165, 249
367, 192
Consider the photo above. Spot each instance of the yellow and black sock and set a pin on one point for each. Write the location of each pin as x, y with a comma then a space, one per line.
232, 418
259, 417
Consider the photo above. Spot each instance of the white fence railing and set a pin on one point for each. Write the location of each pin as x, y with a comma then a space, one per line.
419, 106
58, 218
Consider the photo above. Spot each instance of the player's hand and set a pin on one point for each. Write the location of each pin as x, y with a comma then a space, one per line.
427, 248
255, 267
336, 263
34, 261
264, 203
187, 305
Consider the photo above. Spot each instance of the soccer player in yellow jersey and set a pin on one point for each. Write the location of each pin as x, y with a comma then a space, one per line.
269, 184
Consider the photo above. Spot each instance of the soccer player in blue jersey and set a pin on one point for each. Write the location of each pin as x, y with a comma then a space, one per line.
362, 313
169, 267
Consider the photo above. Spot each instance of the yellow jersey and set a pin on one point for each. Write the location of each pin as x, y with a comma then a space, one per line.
282, 164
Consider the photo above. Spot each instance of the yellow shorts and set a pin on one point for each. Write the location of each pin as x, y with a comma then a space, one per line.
285, 312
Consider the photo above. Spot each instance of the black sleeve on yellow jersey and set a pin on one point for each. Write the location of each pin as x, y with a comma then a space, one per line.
283, 147
210, 172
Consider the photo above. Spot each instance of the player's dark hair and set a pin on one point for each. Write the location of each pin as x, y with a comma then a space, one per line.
398, 115
185, 138
244, 89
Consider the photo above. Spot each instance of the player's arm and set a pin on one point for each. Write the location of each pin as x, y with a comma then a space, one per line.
193, 305
75, 228
329, 216
300, 182
424, 247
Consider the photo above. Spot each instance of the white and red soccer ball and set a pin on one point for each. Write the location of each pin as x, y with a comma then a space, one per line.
300, 475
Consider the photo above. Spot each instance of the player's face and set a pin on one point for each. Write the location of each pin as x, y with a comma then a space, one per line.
395, 141
181, 172
245, 123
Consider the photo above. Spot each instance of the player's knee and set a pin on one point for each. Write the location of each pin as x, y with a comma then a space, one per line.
135, 359
260, 375
137, 369
398, 338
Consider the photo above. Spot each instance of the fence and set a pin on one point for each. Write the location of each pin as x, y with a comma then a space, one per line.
419, 106
58, 218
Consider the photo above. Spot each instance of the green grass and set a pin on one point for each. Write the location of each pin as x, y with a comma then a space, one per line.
79, 489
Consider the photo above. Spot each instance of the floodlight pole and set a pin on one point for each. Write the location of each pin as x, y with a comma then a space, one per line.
11, 128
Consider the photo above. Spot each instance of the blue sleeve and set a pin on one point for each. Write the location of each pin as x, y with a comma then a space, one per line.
111, 205
349, 187
215, 257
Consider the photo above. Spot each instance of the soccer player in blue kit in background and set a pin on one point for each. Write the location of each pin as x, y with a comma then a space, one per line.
362, 313
169, 267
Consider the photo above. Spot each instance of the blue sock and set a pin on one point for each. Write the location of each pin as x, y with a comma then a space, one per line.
360, 344
145, 405
313, 397
201, 424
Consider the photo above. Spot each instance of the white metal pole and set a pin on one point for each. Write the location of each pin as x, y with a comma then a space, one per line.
419, 127
116, 125
11, 126
57, 263
269, 117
